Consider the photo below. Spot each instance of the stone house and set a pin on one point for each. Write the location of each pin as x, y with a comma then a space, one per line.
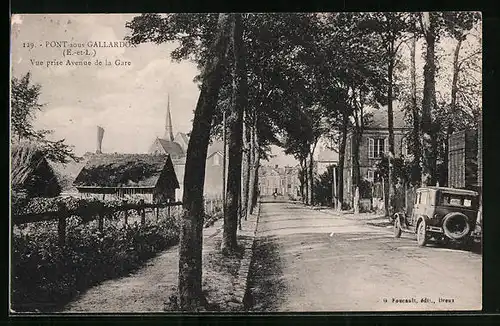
374, 143
325, 158
124, 176
176, 148
281, 180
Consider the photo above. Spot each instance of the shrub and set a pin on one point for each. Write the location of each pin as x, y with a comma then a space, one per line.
46, 276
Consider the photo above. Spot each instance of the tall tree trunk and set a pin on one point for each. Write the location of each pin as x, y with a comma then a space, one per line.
390, 124
235, 123
306, 182
256, 164
191, 233
390, 110
310, 172
417, 154
301, 179
256, 186
429, 99
246, 162
453, 107
251, 170
343, 141
356, 173
358, 132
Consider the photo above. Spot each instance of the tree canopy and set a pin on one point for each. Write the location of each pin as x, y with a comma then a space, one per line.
24, 106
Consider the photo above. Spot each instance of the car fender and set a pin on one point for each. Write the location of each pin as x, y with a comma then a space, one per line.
421, 218
400, 217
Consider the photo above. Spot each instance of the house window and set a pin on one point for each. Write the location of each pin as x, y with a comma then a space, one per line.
216, 159
370, 175
376, 147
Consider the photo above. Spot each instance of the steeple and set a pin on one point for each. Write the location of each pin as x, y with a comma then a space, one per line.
169, 133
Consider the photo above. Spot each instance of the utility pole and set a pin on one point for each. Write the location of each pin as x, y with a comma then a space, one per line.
334, 186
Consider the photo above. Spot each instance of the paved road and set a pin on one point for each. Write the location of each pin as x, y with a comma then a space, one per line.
309, 260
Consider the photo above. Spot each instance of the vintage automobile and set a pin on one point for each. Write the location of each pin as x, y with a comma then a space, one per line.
441, 214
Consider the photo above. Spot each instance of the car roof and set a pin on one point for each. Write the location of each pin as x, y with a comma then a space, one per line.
451, 190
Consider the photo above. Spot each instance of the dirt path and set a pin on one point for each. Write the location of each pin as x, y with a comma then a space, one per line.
145, 290
306, 260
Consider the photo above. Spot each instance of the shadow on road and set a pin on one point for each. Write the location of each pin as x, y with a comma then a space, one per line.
266, 288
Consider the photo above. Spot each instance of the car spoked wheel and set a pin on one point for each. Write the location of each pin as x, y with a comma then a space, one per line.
456, 226
397, 228
421, 234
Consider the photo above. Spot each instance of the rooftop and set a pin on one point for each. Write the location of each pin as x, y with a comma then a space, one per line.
124, 170
378, 118
171, 147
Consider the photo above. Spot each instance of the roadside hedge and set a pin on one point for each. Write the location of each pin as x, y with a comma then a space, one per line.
46, 276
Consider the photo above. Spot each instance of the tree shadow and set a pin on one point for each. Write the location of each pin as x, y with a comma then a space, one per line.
266, 288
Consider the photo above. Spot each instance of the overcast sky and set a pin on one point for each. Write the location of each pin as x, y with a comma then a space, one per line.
128, 102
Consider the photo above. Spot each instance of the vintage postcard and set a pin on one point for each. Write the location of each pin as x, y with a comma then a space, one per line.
272, 162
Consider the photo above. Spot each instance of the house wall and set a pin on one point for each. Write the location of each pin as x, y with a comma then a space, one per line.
270, 183
118, 193
179, 171
213, 177
163, 195
180, 140
366, 164
284, 181
462, 162
321, 166
165, 186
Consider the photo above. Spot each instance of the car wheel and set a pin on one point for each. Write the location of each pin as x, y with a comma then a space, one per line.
397, 228
421, 234
456, 226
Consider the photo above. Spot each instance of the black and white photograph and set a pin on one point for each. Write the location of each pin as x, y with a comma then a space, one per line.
246, 163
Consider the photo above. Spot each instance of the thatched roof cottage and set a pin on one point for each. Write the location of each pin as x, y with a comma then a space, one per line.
31, 173
122, 176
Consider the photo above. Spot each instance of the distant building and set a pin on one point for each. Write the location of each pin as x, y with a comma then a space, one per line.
281, 180
122, 176
374, 143
463, 160
31, 173
177, 146
326, 157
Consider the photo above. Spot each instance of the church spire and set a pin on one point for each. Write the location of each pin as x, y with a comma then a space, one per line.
169, 133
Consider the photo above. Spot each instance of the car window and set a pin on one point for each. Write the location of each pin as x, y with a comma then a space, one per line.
417, 198
456, 200
423, 197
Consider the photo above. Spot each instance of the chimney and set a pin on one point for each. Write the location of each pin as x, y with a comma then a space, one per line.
100, 135
169, 133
